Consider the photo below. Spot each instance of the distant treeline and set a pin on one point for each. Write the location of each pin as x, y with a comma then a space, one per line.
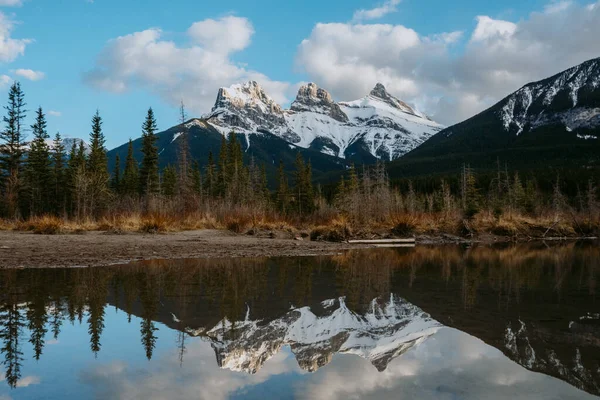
38, 181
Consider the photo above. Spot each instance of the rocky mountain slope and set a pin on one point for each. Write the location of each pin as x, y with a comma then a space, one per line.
378, 126
552, 122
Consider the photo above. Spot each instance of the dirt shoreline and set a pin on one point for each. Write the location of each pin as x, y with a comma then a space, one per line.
92, 249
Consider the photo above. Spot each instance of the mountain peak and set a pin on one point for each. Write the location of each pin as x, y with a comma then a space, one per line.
311, 93
246, 106
312, 98
380, 92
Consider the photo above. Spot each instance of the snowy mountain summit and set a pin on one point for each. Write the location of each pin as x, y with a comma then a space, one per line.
378, 126
568, 98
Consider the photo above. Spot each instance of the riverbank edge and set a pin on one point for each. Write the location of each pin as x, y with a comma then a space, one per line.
94, 249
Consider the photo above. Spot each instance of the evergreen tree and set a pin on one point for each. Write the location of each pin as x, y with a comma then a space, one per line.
149, 180
38, 168
223, 163
97, 161
210, 176
97, 168
12, 148
59, 183
196, 178
303, 191
116, 180
70, 174
169, 181
183, 156
131, 180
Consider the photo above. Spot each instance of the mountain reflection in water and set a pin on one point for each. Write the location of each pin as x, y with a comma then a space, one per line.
430, 322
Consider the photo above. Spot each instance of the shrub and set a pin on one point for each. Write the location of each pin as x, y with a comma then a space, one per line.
44, 225
155, 223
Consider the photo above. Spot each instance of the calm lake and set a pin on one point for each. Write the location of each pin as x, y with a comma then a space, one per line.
444, 322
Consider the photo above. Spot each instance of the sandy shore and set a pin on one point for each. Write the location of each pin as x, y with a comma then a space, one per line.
27, 250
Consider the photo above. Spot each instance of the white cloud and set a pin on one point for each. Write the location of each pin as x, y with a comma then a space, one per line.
5, 81
451, 84
10, 48
378, 12
193, 73
200, 378
30, 74
11, 3
28, 381
54, 114
226, 35
491, 29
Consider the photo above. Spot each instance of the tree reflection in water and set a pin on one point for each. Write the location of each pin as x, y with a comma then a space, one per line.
525, 300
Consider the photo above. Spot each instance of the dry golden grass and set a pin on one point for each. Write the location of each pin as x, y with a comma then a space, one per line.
336, 230
328, 226
45, 225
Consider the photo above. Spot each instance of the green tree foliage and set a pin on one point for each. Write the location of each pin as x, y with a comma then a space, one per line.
303, 191
169, 181
94, 195
149, 179
196, 178
210, 174
38, 169
59, 179
282, 194
131, 180
116, 179
12, 148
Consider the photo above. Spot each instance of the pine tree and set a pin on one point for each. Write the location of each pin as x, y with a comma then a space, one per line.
210, 176
183, 156
12, 148
131, 179
38, 168
169, 181
97, 161
116, 180
97, 168
149, 180
282, 193
59, 190
196, 178
303, 191
70, 174
222, 182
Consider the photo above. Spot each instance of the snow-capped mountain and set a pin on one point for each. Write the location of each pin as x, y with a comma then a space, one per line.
378, 126
387, 330
562, 99
553, 122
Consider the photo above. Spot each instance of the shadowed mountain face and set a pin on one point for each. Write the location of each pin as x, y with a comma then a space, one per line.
264, 148
535, 304
551, 123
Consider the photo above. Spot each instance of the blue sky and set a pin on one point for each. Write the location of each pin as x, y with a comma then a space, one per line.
449, 59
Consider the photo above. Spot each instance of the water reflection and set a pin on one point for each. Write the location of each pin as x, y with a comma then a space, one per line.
534, 304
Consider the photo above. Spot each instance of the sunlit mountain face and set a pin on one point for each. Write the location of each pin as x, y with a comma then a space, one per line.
422, 323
